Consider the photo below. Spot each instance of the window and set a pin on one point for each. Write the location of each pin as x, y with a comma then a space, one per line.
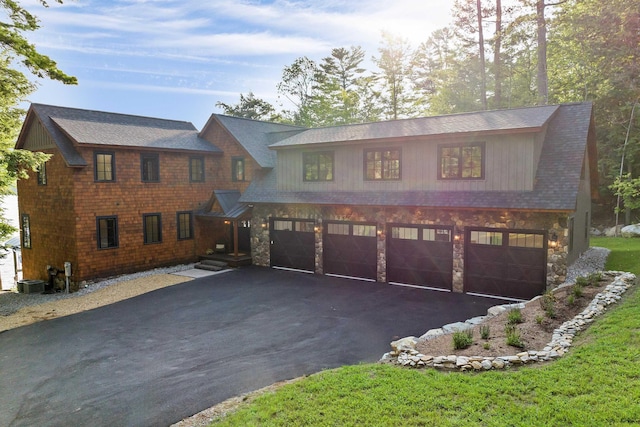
526, 240
282, 225
340, 228
196, 169
152, 228
42, 174
382, 165
107, 227
104, 166
436, 235
493, 238
318, 166
26, 231
150, 167
461, 161
185, 225
364, 230
237, 169
404, 233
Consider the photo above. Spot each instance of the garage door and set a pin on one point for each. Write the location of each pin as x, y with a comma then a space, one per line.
350, 249
292, 243
505, 263
420, 255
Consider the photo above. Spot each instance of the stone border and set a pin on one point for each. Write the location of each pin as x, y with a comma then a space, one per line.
404, 353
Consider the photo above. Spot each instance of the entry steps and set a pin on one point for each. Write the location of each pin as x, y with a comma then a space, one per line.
211, 265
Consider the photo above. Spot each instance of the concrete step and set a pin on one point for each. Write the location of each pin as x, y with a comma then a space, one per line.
208, 267
214, 263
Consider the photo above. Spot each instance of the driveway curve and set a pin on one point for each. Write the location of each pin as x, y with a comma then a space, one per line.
157, 358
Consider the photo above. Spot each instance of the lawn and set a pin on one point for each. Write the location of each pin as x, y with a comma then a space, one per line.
596, 384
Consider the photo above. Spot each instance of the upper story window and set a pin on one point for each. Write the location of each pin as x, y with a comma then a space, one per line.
237, 169
107, 229
104, 165
152, 228
150, 167
25, 224
196, 169
42, 174
318, 166
461, 161
382, 165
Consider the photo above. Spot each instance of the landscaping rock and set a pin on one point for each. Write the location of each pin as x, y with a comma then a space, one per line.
632, 230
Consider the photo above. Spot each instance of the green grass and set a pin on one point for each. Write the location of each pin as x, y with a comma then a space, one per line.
595, 384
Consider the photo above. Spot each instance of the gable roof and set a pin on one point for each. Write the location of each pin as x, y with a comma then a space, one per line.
70, 127
228, 202
255, 136
530, 119
570, 133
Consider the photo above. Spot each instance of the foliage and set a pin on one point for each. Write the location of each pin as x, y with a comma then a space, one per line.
14, 88
625, 253
462, 339
514, 316
485, 331
513, 336
628, 189
547, 302
251, 107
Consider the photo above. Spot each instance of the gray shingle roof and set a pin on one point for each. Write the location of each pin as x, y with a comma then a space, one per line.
256, 136
519, 119
228, 202
556, 188
70, 126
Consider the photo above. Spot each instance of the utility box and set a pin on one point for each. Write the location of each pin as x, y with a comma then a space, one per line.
31, 286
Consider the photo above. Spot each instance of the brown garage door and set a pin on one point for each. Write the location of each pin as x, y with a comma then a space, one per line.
420, 255
350, 249
292, 243
505, 263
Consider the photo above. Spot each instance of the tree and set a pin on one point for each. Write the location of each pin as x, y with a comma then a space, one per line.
298, 85
251, 107
395, 76
14, 88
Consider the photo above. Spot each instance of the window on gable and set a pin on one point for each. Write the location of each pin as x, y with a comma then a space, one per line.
104, 166
462, 161
152, 228
150, 167
196, 169
318, 166
42, 174
382, 165
237, 169
185, 225
25, 224
107, 228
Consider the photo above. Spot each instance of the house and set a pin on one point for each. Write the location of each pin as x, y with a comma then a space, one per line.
118, 195
491, 203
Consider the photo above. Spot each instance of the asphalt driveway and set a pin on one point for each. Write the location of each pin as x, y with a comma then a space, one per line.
157, 358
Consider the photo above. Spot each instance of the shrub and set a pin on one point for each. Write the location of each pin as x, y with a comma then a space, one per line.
513, 336
571, 299
547, 302
594, 278
486, 346
514, 316
484, 332
462, 339
576, 291
539, 319
582, 281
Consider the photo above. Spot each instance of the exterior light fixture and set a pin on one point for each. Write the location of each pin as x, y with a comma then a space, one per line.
553, 240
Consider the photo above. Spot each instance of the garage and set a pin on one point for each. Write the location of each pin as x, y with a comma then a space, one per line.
510, 264
420, 255
292, 244
350, 249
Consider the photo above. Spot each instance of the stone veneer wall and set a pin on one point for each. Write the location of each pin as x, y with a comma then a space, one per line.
549, 222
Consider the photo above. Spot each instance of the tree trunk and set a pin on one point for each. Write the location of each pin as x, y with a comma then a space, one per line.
496, 56
543, 90
483, 74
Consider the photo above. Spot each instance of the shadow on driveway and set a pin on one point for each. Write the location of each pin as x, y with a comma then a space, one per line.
157, 358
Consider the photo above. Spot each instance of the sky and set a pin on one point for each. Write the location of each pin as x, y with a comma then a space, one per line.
176, 59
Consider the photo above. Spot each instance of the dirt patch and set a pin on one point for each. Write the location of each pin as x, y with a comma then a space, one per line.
535, 330
104, 296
